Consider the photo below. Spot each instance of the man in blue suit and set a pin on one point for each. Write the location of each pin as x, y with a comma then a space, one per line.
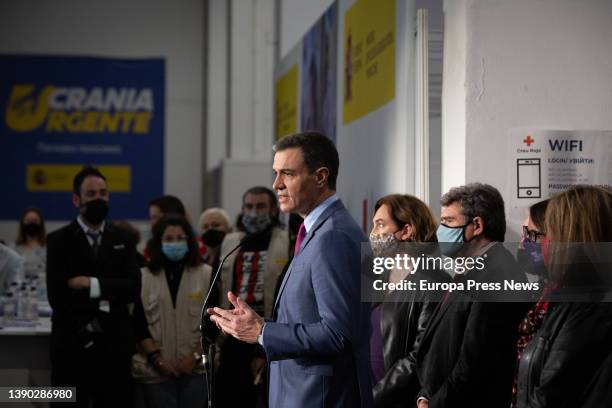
317, 345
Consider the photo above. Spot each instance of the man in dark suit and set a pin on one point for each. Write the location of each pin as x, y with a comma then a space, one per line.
468, 352
317, 345
92, 277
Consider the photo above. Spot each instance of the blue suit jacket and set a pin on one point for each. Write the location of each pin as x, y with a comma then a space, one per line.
318, 345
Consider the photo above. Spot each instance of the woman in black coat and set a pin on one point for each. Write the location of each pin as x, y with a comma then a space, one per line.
401, 224
575, 334
599, 393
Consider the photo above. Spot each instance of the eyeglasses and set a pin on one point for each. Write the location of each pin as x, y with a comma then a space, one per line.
532, 235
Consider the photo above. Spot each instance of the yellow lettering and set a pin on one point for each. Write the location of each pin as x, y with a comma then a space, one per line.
55, 122
99, 122
127, 117
90, 122
141, 122
109, 123
25, 110
74, 122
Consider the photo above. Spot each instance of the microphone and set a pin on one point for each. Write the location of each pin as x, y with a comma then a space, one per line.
212, 287
208, 357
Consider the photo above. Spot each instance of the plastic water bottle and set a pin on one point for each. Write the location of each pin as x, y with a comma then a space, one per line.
10, 309
42, 287
22, 306
32, 315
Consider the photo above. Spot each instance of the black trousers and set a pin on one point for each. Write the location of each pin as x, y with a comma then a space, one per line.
234, 381
102, 378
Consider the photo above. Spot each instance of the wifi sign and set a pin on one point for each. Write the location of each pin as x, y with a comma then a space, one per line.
565, 145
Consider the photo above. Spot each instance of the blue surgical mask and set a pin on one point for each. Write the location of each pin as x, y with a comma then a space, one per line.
255, 223
175, 251
450, 239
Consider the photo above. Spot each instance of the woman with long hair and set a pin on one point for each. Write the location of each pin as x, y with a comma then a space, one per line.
575, 332
31, 245
401, 224
167, 319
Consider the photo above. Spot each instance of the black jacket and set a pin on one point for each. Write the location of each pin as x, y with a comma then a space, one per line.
564, 356
599, 393
69, 254
468, 352
404, 317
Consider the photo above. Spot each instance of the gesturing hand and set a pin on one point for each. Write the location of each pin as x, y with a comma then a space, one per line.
79, 282
241, 322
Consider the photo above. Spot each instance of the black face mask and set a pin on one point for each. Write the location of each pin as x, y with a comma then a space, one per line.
213, 238
95, 211
32, 228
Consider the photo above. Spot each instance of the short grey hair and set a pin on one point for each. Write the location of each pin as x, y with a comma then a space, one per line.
217, 211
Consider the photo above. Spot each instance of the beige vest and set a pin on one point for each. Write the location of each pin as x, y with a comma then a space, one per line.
175, 331
277, 258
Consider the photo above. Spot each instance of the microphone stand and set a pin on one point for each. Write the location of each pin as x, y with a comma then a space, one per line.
208, 355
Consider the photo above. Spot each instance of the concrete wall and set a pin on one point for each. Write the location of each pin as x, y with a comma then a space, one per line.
544, 64
241, 53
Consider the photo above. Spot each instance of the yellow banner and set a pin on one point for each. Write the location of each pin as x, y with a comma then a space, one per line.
58, 177
286, 103
369, 57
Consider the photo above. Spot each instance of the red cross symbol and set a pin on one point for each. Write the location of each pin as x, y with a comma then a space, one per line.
528, 140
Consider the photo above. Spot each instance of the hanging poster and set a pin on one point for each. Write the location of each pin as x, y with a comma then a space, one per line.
369, 57
318, 76
60, 113
286, 102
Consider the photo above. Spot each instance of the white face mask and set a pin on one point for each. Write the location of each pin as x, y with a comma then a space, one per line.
383, 244
255, 223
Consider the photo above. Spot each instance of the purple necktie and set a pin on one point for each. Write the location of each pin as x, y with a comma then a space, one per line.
300, 237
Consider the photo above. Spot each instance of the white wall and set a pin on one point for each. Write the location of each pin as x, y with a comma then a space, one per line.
545, 64
241, 48
453, 95
296, 18
173, 30
377, 150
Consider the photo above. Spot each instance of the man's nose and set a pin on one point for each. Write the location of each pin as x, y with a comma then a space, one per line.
278, 184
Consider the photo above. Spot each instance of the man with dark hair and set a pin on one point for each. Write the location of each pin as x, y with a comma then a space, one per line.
317, 343
317, 151
92, 278
468, 352
252, 274
166, 204
482, 201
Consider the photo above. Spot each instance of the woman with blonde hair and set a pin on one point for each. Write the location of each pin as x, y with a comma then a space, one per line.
575, 334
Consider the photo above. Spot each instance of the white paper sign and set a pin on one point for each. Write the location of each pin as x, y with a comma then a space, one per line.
546, 162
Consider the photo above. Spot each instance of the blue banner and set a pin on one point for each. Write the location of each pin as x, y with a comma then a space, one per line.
60, 113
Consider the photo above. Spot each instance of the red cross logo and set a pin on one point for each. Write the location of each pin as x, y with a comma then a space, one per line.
528, 140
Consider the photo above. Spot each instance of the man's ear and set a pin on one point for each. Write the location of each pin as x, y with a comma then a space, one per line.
76, 200
479, 226
321, 176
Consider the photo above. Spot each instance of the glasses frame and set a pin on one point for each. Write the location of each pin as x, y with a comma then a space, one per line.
532, 235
